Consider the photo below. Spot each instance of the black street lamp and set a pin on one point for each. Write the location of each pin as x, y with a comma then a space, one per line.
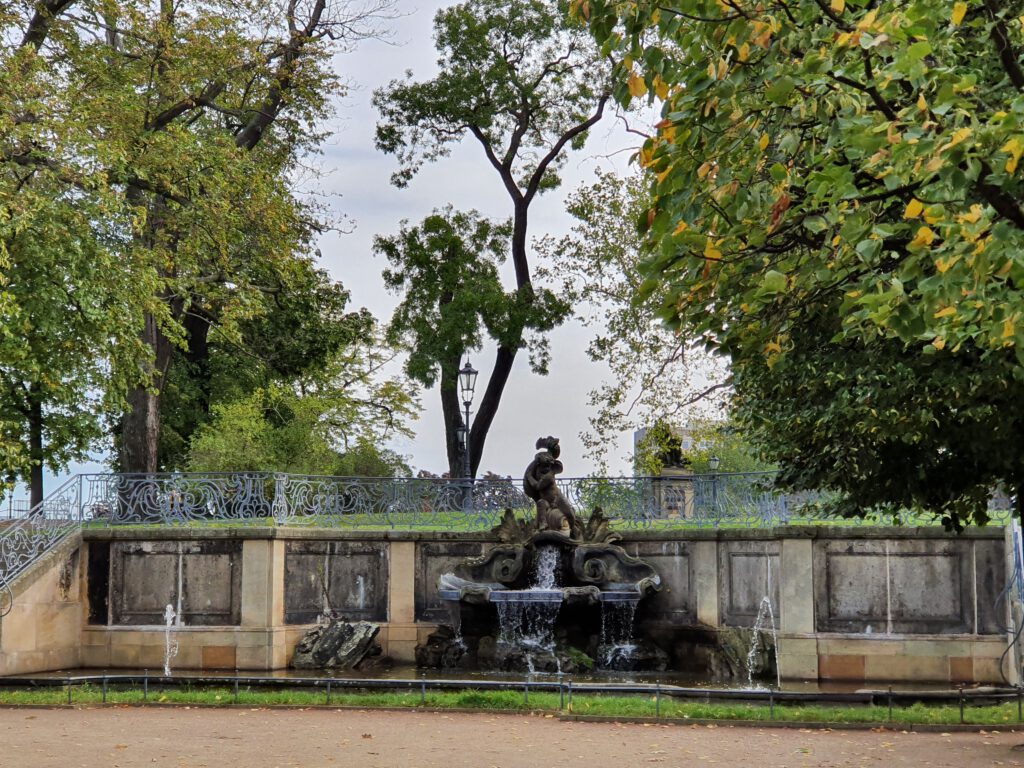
467, 383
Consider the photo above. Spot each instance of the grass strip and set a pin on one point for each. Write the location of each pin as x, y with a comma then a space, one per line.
632, 706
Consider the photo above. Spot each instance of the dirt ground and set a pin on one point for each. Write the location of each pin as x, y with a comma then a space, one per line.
205, 738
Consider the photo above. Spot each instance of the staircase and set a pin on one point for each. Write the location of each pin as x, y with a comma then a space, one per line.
25, 541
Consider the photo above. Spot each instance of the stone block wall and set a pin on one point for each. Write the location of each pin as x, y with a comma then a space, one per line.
42, 630
851, 604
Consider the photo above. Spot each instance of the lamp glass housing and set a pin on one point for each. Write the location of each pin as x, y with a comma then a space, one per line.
467, 382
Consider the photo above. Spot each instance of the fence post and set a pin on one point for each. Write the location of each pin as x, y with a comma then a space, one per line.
279, 506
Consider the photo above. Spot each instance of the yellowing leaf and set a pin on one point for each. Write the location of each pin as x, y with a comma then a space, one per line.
680, 227
868, 20
1015, 148
958, 136
838, 6
711, 251
959, 10
939, 342
763, 142
660, 87
933, 214
636, 84
744, 52
723, 69
703, 170
1009, 327
943, 265
914, 208
973, 216
921, 103
924, 237
945, 312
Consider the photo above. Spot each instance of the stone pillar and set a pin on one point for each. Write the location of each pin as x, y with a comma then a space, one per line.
798, 648
261, 639
1014, 610
401, 629
705, 581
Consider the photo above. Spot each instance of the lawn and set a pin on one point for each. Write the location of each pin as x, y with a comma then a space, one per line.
624, 706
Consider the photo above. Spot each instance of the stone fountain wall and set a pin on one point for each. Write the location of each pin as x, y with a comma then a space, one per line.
851, 603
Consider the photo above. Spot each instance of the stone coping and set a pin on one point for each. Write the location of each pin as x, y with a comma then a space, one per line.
155, 533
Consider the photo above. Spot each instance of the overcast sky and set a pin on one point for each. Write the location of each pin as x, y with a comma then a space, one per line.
356, 188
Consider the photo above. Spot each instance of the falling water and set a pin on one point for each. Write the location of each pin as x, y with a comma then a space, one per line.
617, 631
527, 620
765, 624
545, 569
170, 647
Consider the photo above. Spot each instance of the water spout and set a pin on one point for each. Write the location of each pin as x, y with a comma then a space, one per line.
170, 647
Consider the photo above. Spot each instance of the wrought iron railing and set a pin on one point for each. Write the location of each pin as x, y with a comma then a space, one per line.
25, 540
738, 500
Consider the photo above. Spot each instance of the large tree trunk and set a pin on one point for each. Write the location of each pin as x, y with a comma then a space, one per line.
35, 445
489, 406
506, 356
452, 413
140, 427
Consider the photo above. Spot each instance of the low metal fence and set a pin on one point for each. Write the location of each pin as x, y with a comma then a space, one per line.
177, 498
738, 500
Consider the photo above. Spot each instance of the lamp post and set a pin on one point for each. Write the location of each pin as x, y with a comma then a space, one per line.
713, 464
467, 383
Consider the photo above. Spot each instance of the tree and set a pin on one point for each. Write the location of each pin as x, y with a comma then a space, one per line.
70, 302
837, 181
335, 421
303, 327
186, 119
68, 329
279, 431
526, 83
237, 116
657, 375
446, 270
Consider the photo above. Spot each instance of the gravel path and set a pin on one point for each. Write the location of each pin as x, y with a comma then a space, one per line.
225, 738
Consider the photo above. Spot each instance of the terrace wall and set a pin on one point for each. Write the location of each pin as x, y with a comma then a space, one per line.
851, 603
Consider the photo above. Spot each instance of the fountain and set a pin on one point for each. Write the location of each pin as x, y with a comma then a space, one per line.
170, 646
555, 595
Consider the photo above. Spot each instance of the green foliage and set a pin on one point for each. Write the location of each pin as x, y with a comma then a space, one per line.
657, 375
67, 328
600, 705
837, 182
518, 76
156, 142
280, 431
446, 270
301, 331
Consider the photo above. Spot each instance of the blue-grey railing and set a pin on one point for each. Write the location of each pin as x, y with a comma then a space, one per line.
699, 501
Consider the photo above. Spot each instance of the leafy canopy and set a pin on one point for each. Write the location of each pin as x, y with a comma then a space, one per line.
836, 181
